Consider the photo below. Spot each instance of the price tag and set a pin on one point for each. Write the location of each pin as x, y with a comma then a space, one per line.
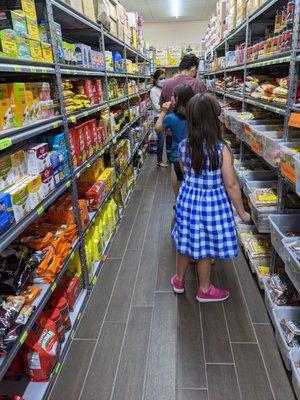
114, 141
17, 68
79, 316
44, 71
85, 114
68, 184
23, 337
32, 69
293, 268
53, 286
55, 125
72, 256
78, 174
88, 165
57, 368
40, 210
73, 119
72, 334
4, 143
94, 280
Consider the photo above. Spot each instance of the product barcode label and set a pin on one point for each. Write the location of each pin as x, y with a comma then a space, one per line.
34, 361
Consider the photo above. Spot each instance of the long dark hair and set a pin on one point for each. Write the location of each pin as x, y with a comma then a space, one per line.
156, 76
204, 132
182, 93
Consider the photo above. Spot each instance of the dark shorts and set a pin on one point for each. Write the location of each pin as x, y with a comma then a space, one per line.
178, 171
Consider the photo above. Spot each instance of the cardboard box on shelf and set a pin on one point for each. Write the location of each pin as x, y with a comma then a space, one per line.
132, 20
113, 27
77, 4
89, 9
120, 30
240, 12
113, 10
27, 6
122, 15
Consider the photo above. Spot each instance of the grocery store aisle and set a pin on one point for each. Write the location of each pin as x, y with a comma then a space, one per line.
138, 341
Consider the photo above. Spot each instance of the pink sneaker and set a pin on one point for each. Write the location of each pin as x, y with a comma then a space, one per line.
178, 286
212, 295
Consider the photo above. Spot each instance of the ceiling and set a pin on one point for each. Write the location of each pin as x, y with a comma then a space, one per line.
165, 10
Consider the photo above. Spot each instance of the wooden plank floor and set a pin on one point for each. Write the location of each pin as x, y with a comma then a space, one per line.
139, 341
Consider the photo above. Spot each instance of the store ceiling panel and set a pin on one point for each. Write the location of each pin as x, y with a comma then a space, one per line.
165, 10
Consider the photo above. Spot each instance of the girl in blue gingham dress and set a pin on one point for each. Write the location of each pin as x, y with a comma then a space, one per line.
204, 228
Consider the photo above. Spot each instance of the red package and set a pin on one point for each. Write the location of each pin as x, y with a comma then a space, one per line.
62, 304
97, 86
75, 147
82, 142
42, 350
85, 87
94, 196
73, 291
55, 316
88, 140
93, 131
15, 369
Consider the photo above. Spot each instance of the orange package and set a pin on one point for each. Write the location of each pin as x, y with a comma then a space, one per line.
48, 268
30, 293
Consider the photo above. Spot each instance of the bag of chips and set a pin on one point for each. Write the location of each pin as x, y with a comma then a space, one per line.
42, 350
9, 311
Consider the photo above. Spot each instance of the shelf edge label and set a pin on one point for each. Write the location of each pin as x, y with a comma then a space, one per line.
4, 143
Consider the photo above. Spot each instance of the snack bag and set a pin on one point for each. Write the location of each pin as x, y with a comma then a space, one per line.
42, 350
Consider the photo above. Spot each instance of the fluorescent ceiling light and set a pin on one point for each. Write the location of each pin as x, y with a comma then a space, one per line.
176, 8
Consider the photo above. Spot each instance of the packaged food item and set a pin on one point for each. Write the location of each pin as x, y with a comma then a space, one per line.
23, 48
282, 290
42, 350
37, 158
291, 332
59, 174
14, 373
19, 102
8, 43
6, 111
16, 264
94, 196
62, 305
35, 190
19, 197
35, 50
46, 52
55, 316
27, 6
18, 164
7, 218
14, 19
47, 181
7, 176
9, 310
32, 29
30, 293
73, 291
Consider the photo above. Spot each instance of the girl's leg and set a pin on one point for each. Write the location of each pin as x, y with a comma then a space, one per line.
175, 183
168, 146
160, 147
204, 271
183, 262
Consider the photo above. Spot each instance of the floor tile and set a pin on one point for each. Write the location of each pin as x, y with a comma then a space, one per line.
222, 383
132, 368
101, 377
236, 313
136, 239
256, 307
191, 394
94, 313
190, 356
276, 371
120, 301
161, 372
119, 243
251, 373
134, 202
72, 374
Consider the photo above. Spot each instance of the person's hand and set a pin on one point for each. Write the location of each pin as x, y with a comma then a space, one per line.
245, 217
166, 107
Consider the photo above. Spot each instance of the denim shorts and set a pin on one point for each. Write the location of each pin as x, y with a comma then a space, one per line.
178, 171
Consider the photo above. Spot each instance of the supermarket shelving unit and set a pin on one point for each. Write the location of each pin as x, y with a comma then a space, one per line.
254, 26
77, 27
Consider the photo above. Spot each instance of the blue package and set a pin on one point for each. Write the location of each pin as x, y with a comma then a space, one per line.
56, 140
67, 170
56, 158
118, 62
59, 174
7, 218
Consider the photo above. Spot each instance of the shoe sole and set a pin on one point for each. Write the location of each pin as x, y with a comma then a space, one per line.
178, 291
200, 300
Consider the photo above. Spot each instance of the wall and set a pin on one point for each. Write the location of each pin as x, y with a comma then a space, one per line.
174, 33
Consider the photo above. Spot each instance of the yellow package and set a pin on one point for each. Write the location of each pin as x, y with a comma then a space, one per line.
47, 52
32, 29
28, 6
35, 50
8, 43
18, 102
6, 112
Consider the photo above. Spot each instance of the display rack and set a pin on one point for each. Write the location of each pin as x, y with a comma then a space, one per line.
290, 60
75, 26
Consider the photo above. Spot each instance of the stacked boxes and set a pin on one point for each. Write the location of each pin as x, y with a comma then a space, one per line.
19, 32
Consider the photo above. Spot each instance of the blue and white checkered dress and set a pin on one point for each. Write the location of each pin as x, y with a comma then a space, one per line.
204, 220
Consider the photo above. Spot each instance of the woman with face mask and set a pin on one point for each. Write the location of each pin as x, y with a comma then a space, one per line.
158, 82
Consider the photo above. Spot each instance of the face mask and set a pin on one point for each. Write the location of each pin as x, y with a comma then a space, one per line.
161, 82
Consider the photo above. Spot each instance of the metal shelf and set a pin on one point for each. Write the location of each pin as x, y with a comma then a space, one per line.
274, 60
78, 70
25, 66
233, 96
12, 136
114, 102
265, 106
39, 304
18, 228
